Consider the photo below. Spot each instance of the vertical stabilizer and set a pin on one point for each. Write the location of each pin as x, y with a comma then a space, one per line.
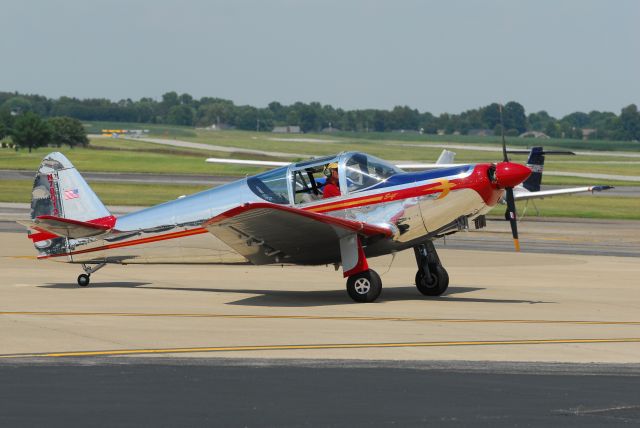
536, 164
59, 190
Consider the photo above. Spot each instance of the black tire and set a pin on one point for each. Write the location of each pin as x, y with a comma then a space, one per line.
83, 280
439, 284
364, 287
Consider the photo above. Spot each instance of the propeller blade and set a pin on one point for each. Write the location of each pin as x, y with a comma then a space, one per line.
504, 144
511, 210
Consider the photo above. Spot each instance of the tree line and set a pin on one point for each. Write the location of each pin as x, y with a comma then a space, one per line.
29, 130
183, 109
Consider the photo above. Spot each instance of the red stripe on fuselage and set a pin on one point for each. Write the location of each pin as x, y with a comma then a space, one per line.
173, 235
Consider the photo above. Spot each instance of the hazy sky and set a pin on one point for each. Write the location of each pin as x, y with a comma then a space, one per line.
437, 56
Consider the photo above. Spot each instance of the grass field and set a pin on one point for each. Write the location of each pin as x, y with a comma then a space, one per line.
160, 160
580, 207
109, 193
122, 155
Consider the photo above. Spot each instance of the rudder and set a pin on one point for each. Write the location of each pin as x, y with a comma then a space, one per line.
59, 190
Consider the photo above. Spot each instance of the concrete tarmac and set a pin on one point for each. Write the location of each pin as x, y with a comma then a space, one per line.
543, 338
500, 306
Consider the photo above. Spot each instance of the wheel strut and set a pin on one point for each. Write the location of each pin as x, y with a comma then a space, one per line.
84, 279
431, 279
427, 259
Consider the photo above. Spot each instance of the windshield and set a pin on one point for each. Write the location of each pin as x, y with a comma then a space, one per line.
365, 171
271, 186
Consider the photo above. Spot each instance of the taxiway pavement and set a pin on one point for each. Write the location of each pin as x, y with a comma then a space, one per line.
500, 306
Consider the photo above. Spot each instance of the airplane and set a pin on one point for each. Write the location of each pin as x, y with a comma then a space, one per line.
278, 217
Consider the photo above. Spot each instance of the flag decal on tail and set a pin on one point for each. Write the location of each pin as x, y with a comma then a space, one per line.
71, 194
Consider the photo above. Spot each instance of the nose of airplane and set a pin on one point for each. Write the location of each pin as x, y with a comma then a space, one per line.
510, 174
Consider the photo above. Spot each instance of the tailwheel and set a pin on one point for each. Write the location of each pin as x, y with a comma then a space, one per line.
365, 286
435, 284
83, 280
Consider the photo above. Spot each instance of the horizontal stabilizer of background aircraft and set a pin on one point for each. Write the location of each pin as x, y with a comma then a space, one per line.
530, 188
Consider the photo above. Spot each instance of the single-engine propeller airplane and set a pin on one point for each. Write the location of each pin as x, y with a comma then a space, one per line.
278, 217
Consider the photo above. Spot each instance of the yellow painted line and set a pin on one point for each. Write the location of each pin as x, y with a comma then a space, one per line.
315, 317
320, 346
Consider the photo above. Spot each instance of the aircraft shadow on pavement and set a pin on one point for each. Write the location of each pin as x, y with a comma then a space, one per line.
68, 285
308, 298
339, 297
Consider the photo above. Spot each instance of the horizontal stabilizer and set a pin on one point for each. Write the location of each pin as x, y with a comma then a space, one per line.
524, 194
68, 228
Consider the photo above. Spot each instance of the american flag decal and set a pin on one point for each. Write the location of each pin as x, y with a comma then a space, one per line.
71, 194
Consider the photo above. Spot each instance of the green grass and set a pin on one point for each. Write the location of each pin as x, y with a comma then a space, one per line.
109, 193
603, 207
125, 161
122, 155
158, 130
596, 145
553, 180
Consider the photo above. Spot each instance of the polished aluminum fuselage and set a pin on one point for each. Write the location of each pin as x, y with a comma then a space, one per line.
173, 232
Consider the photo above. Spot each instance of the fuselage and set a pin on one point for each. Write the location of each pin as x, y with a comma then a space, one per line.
415, 206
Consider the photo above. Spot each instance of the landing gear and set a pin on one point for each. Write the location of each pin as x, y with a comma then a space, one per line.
431, 279
365, 286
84, 278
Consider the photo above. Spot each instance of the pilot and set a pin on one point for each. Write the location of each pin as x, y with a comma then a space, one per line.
332, 186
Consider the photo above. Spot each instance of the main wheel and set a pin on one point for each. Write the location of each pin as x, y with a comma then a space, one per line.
365, 286
439, 282
83, 280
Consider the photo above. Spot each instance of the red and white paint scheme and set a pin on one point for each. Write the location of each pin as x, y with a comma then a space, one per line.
277, 217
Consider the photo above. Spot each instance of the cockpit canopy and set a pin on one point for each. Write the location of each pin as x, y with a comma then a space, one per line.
302, 182
364, 171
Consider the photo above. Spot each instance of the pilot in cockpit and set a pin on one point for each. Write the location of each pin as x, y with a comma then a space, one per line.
332, 186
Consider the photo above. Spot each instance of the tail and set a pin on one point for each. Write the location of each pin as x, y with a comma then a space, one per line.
536, 163
64, 206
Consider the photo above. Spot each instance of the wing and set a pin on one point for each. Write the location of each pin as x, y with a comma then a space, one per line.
444, 161
268, 233
246, 162
422, 166
520, 196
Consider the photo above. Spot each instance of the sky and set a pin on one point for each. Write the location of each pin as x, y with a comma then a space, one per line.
438, 56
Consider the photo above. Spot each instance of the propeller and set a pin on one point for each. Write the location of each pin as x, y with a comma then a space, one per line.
509, 175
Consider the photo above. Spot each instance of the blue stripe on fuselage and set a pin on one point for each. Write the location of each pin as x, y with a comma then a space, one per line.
414, 177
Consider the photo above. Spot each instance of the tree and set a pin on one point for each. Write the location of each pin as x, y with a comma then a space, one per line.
630, 122
69, 131
6, 122
540, 120
30, 131
491, 116
514, 117
577, 119
180, 115
247, 118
